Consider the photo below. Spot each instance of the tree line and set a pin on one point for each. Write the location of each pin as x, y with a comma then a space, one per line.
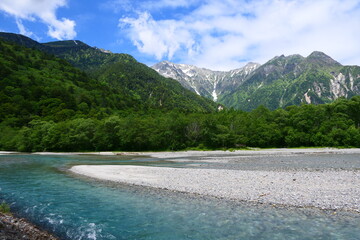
327, 125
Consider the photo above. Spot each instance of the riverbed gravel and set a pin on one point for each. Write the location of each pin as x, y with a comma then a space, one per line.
13, 228
326, 189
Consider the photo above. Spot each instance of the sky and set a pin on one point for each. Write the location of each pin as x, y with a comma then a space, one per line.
215, 34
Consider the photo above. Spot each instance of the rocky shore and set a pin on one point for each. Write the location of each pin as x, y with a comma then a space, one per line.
13, 228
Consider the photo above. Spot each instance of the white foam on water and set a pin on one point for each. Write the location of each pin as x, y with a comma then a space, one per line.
92, 231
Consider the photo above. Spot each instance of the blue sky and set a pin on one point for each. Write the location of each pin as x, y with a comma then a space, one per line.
216, 34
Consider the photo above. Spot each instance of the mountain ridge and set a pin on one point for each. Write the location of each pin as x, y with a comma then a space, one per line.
203, 81
282, 81
120, 72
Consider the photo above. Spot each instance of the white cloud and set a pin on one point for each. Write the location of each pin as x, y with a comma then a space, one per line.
43, 10
22, 29
170, 3
158, 38
145, 5
225, 34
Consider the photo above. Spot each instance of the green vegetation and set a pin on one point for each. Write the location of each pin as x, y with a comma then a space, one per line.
336, 125
36, 85
4, 208
113, 103
136, 85
285, 81
122, 71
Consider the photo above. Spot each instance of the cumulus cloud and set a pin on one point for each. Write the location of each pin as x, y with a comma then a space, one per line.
225, 34
158, 38
43, 10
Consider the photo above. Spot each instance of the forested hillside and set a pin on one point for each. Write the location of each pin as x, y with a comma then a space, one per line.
121, 72
293, 80
38, 85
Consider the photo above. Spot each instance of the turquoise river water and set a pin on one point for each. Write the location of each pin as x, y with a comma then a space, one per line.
42, 189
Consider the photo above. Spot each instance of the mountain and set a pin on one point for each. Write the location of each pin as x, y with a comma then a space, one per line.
36, 85
22, 40
205, 82
280, 82
293, 80
122, 73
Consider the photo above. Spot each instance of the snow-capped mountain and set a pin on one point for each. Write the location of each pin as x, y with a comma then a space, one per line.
205, 82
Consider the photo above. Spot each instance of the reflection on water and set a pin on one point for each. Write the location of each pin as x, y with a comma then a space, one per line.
40, 188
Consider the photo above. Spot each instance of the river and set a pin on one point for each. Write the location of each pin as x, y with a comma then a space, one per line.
42, 189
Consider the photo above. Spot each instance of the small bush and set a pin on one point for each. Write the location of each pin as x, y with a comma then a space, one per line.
4, 207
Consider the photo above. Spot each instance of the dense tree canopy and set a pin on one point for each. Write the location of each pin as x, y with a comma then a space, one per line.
332, 125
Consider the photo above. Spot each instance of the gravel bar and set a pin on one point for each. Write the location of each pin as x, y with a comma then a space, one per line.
325, 189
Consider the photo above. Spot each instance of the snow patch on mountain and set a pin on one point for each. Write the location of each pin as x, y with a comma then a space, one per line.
205, 82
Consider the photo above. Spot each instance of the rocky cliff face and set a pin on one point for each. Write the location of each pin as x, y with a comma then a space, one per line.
280, 82
205, 82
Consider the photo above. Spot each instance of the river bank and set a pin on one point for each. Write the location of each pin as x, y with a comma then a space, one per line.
194, 153
13, 228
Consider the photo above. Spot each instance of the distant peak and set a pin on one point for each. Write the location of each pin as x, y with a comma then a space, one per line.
175, 65
14, 36
165, 62
282, 56
321, 57
295, 56
277, 58
67, 43
250, 64
318, 54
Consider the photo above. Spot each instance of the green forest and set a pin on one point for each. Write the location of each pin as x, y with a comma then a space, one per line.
49, 103
331, 125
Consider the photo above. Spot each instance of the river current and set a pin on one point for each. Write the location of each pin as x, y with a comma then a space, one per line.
42, 189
